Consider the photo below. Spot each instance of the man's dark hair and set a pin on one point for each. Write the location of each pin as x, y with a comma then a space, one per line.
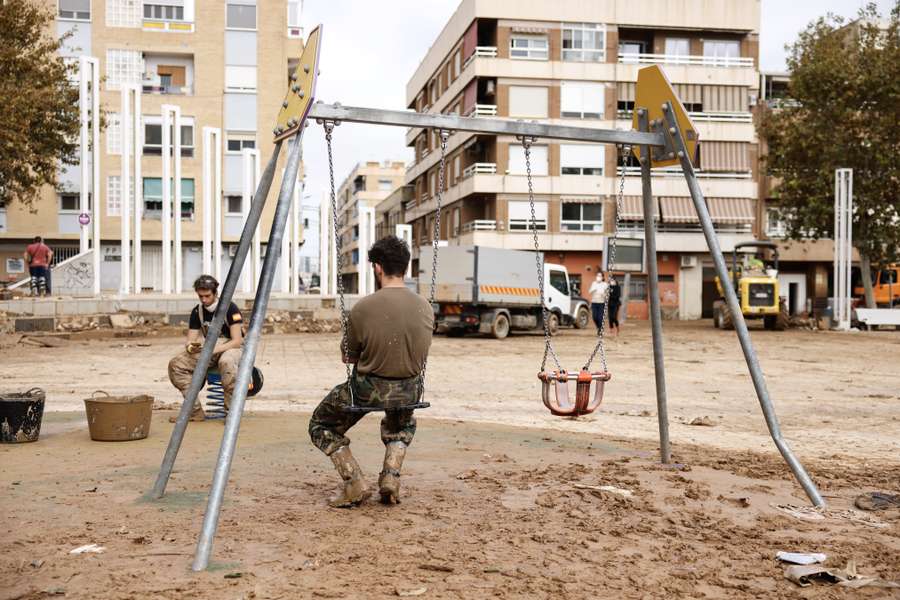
38, 238
206, 282
392, 254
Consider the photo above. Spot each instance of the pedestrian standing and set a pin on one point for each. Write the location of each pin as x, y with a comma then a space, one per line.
598, 291
38, 256
615, 303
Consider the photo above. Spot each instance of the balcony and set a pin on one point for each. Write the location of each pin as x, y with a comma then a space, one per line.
703, 117
481, 52
154, 84
482, 110
676, 172
479, 225
173, 26
685, 59
170, 74
479, 168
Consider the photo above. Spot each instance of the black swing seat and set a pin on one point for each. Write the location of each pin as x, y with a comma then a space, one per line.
369, 409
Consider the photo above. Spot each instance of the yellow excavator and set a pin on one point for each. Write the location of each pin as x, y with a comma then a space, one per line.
756, 286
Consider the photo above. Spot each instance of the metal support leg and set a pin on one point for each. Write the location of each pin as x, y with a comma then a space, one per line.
261, 301
199, 377
740, 326
662, 409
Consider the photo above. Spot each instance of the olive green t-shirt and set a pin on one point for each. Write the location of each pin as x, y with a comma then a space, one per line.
389, 333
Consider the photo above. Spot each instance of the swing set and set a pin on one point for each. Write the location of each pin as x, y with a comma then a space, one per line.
661, 135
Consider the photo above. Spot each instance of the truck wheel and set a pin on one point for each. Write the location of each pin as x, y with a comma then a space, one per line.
726, 320
717, 318
553, 323
582, 318
500, 327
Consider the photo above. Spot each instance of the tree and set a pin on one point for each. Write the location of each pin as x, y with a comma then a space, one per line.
843, 111
39, 116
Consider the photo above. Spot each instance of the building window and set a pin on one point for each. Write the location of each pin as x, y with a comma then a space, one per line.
113, 196
123, 67
579, 216
529, 47
153, 201
775, 225
153, 137
240, 78
678, 46
539, 162
113, 133
237, 143
234, 205
164, 12
581, 100
520, 216
240, 16
123, 13
457, 63
293, 19
528, 101
637, 287
69, 202
456, 223
385, 185
582, 159
75, 10
724, 49
584, 42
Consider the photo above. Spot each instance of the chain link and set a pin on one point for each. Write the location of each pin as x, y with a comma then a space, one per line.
610, 265
435, 240
339, 262
538, 259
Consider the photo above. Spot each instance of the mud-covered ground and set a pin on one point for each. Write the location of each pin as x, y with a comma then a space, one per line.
501, 500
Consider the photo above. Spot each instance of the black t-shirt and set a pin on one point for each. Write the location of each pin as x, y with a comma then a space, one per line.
615, 293
232, 317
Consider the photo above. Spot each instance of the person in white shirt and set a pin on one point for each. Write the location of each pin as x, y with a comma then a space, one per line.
598, 292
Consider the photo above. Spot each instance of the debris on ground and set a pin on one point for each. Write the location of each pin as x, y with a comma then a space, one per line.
406, 593
874, 501
805, 575
467, 474
88, 549
800, 558
702, 422
605, 488
814, 513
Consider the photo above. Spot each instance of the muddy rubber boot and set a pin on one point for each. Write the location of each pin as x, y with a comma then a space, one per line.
389, 480
354, 489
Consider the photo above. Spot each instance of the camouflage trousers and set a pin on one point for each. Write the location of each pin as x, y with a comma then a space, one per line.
331, 421
181, 370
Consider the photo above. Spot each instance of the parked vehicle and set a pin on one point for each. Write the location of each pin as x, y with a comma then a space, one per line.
494, 291
756, 286
885, 284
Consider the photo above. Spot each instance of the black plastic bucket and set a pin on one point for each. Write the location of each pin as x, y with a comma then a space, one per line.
20, 416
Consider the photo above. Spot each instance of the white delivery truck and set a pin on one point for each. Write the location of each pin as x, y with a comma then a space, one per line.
495, 291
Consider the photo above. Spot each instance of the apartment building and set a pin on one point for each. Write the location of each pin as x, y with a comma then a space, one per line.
575, 62
367, 185
224, 63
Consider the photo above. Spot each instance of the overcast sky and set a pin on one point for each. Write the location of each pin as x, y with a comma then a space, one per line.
370, 50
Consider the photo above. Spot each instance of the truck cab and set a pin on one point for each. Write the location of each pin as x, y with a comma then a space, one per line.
560, 299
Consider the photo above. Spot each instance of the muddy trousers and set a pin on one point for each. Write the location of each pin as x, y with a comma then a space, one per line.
331, 421
181, 370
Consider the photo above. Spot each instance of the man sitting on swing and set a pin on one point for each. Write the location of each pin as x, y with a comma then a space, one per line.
387, 339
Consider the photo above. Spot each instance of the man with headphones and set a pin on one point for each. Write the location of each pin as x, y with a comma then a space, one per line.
227, 353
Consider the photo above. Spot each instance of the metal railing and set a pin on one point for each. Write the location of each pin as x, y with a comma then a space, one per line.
663, 227
165, 25
676, 172
479, 168
482, 110
480, 225
727, 117
682, 59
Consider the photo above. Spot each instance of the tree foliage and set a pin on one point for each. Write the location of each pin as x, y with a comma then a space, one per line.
843, 111
39, 116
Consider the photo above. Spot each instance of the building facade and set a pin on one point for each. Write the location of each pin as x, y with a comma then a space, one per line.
367, 185
224, 64
574, 62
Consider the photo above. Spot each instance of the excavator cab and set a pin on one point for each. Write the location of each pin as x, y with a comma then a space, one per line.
754, 277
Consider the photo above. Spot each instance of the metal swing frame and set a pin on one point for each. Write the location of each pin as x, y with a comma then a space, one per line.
664, 135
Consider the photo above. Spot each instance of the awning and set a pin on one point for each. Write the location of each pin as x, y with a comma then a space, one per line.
689, 92
625, 91
726, 157
633, 208
725, 98
732, 210
581, 199
678, 209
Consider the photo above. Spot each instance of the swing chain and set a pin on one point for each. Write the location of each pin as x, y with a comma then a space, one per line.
329, 129
435, 239
610, 265
527, 141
